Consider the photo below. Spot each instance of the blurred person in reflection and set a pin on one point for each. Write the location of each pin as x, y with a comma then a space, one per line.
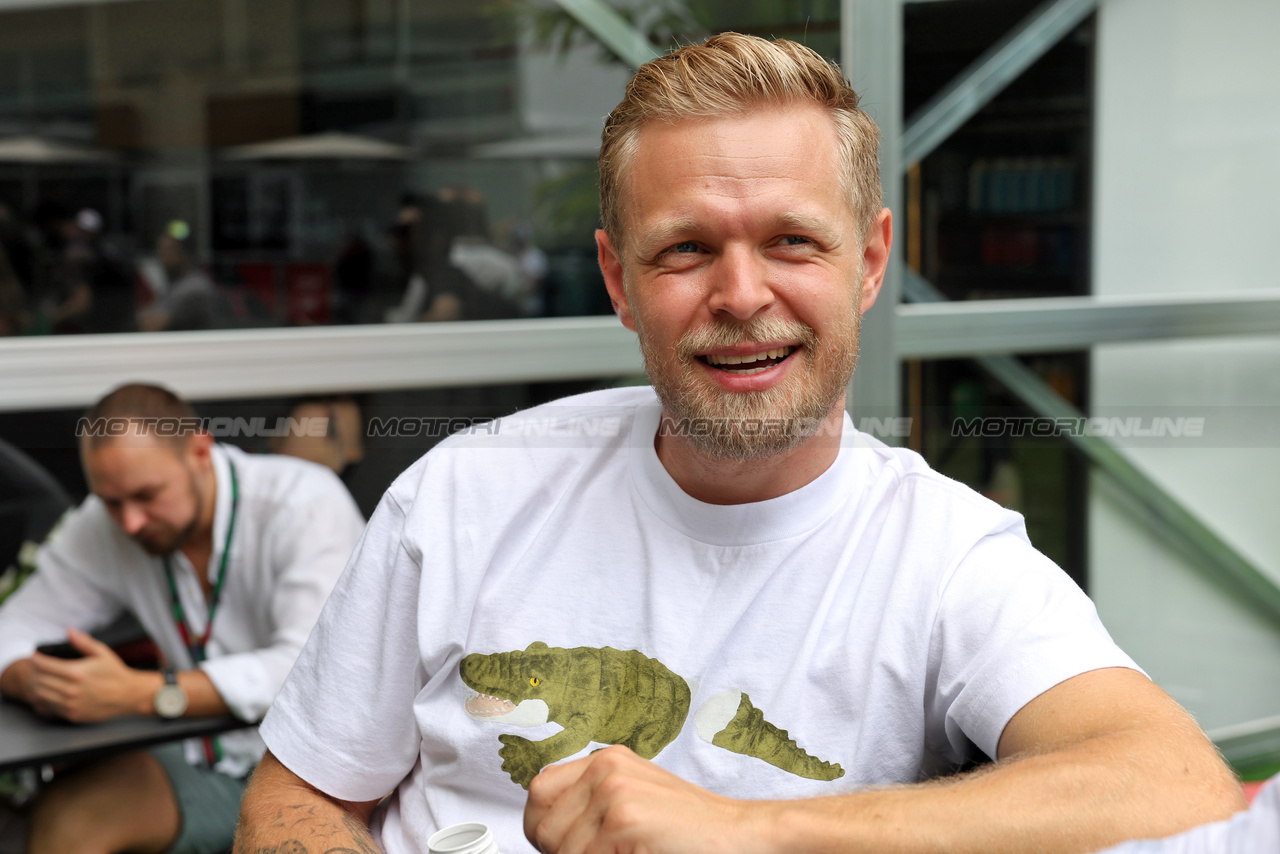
452, 269
66, 294
111, 281
185, 295
352, 278
225, 559
90, 290
712, 616
500, 286
430, 292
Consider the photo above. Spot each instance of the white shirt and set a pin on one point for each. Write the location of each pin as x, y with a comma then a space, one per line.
891, 620
296, 525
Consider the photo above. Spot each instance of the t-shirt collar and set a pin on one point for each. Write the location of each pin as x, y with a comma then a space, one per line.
780, 518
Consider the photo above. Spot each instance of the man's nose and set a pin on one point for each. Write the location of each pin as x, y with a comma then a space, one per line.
132, 518
740, 286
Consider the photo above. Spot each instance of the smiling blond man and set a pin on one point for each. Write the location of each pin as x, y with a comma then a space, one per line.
785, 635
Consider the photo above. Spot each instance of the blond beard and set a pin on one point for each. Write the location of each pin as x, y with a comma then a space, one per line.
751, 425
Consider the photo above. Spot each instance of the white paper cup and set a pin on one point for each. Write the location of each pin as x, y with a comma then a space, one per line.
469, 838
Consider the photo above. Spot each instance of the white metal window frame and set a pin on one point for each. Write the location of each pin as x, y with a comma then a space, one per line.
73, 371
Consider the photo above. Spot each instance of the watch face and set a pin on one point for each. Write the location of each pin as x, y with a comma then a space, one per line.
171, 701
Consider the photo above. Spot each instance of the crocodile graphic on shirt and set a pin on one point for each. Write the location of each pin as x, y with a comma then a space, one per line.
611, 696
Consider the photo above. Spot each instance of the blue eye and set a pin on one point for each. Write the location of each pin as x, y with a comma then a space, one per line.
794, 240
687, 246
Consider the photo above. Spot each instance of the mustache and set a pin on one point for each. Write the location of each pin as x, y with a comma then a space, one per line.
727, 332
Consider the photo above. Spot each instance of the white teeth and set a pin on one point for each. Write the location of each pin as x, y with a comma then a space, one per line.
779, 353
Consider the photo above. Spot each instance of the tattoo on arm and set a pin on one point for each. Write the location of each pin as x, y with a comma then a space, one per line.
292, 846
290, 817
296, 814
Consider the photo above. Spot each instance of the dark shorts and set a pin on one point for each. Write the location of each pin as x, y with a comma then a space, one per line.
208, 803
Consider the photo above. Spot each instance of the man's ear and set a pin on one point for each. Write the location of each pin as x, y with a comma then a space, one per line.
199, 450
611, 268
875, 257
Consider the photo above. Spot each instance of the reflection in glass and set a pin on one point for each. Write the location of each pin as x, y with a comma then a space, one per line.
240, 163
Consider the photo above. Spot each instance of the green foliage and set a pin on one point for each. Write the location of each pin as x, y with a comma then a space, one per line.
665, 23
15, 788
567, 207
13, 576
1258, 769
11, 579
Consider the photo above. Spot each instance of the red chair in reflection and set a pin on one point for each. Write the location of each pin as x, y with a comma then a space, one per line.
309, 293
260, 280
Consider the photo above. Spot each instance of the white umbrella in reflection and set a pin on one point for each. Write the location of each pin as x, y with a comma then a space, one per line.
39, 150
320, 146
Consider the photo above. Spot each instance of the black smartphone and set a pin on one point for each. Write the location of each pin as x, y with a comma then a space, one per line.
60, 650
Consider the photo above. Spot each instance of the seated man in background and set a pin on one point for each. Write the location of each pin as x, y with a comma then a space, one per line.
186, 298
760, 614
226, 559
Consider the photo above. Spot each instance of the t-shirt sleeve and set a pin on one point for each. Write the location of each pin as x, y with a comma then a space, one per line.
344, 719
1010, 626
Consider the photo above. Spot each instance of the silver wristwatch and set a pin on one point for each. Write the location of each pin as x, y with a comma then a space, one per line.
171, 700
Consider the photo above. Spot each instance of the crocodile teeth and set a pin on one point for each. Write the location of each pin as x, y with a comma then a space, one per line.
486, 706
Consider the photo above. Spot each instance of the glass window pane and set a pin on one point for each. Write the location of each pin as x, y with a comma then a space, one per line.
227, 163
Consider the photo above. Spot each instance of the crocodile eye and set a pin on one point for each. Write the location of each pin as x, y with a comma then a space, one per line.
534, 680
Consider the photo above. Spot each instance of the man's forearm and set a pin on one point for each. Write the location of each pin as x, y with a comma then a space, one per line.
202, 696
1073, 798
100, 686
16, 679
203, 699
1078, 799
281, 814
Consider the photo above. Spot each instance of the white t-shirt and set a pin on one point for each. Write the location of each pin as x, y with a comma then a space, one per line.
295, 528
890, 620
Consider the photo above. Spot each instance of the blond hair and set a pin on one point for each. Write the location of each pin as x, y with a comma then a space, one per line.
728, 75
